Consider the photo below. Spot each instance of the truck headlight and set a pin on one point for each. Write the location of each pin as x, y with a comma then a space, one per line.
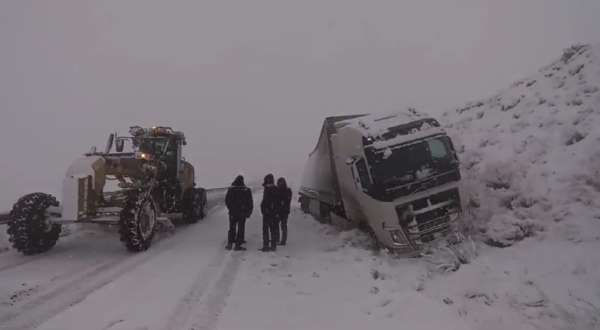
396, 236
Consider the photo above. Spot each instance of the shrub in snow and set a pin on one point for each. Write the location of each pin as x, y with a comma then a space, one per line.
569, 53
499, 175
505, 230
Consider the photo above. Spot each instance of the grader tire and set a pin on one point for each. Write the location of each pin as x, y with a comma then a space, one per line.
138, 222
28, 229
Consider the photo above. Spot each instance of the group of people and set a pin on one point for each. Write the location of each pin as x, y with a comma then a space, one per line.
275, 208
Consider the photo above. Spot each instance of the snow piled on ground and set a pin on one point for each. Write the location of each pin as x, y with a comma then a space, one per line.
4, 243
531, 167
331, 279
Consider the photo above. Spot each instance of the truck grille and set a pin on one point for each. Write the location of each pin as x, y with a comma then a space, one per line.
395, 192
432, 214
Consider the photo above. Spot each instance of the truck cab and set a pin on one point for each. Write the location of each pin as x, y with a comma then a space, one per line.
396, 175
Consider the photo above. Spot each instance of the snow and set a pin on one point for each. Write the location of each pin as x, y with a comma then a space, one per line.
376, 124
531, 165
4, 244
526, 256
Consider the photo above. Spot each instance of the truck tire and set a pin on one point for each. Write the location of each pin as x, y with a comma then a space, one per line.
138, 222
29, 230
194, 205
324, 213
304, 202
376, 244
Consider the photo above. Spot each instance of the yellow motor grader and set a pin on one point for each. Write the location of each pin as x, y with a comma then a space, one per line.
151, 182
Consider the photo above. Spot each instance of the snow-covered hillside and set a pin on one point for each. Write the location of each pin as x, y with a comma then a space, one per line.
531, 153
531, 157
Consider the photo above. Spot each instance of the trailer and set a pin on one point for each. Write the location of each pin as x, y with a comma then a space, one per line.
395, 175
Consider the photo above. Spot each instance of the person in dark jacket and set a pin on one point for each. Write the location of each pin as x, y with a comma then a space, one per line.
240, 205
269, 207
285, 199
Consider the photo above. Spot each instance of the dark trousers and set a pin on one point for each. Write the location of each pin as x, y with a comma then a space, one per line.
235, 229
283, 224
242, 230
270, 231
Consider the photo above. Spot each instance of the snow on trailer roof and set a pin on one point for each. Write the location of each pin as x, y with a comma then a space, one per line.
384, 130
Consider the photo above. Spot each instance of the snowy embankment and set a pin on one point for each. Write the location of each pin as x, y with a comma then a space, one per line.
531, 157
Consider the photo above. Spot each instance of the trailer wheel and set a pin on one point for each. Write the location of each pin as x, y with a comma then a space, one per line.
29, 230
194, 205
138, 222
304, 204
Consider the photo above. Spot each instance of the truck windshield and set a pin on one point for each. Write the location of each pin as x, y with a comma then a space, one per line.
402, 165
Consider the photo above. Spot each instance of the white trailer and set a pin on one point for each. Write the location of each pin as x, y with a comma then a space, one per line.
394, 175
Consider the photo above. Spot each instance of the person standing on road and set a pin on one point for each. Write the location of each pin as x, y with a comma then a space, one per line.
269, 207
240, 205
285, 199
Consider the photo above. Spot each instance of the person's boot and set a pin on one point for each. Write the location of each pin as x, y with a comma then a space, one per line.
282, 243
239, 248
265, 249
228, 246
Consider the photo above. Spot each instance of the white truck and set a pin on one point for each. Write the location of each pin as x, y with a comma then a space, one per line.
396, 176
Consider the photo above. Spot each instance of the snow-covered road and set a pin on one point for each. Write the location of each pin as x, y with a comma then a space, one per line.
325, 278
187, 280
89, 281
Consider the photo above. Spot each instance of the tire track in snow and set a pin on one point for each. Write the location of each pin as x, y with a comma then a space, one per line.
212, 306
192, 298
19, 263
55, 253
212, 204
34, 312
25, 311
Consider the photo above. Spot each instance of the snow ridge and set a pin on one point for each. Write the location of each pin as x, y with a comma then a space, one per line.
531, 167
531, 150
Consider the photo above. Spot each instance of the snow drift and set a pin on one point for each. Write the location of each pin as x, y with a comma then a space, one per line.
531, 167
531, 153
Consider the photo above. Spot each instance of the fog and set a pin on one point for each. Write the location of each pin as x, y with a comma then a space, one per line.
249, 82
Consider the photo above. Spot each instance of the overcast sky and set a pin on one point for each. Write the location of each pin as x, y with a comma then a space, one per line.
250, 81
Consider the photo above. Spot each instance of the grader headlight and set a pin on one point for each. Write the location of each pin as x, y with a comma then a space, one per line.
144, 156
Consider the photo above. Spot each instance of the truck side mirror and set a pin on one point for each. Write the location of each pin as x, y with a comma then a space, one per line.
109, 143
119, 145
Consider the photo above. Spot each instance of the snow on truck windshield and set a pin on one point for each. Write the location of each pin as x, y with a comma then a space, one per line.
397, 166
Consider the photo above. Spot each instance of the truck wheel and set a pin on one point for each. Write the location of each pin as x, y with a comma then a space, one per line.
29, 230
138, 222
304, 202
369, 230
195, 205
